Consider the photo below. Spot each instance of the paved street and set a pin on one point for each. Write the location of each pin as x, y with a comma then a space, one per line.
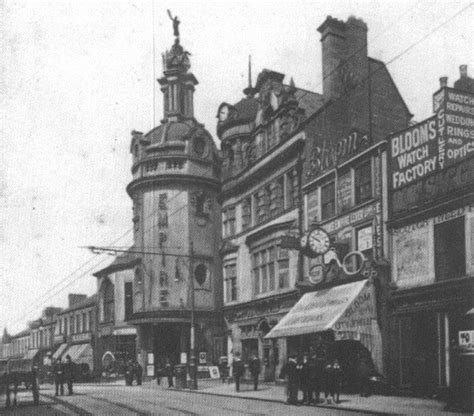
149, 400
213, 398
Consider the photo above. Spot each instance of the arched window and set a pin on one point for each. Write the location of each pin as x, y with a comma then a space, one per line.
108, 300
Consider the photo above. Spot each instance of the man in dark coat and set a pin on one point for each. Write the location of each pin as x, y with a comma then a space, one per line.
138, 370
68, 373
169, 373
59, 377
254, 367
364, 373
305, 379
290, 372
237, 370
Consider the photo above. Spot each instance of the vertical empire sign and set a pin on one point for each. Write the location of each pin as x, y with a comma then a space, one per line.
455, 126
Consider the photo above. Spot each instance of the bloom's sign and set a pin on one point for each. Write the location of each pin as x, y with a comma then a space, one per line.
436, 143
329, 154
413, 153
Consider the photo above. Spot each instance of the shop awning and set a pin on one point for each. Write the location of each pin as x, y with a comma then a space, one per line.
80, 354
348, 308
31, 354
59, 351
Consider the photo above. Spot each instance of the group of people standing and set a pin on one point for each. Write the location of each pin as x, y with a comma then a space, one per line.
312, 375
63, 373
238, 370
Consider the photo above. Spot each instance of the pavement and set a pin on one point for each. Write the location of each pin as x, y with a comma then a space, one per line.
271, 392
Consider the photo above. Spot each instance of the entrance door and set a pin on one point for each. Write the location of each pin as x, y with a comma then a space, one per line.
424, 357
166, 344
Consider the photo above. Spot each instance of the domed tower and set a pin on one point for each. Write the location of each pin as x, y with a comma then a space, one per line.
177, 226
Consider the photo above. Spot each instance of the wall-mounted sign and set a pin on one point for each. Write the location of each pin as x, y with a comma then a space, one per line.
86, 336
413, 153
183, 358
344, 192
328, 153
466, 339
355, 217
202, 358
150, 370
455, 121
150, 358
452, 180
364, 238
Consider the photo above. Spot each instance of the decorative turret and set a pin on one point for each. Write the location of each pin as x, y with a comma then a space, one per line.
177, 84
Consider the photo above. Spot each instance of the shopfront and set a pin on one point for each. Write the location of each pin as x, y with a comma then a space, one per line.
345, 312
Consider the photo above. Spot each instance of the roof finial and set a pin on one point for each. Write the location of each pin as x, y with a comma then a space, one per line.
250, 91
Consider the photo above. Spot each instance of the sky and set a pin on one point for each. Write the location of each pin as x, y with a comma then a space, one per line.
78, 76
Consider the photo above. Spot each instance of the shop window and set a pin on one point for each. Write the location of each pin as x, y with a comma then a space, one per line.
246, 213
128, 289
328, 207
108, 301
230, 282
450, 249
364, 241
363, 182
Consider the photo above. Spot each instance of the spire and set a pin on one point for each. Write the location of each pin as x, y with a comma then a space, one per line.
250, 91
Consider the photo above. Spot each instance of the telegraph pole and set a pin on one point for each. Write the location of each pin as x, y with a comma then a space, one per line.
192, 358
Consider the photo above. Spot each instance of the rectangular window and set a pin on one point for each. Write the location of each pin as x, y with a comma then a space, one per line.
164, 298
450, 249
89, 321
84, 322
78, 323
290, 190
230, 277
246, 213
283, 268
228, 221
328, 208
363, 182
71, 324
128, 289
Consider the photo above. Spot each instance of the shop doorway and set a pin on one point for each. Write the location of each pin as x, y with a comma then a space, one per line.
424, 354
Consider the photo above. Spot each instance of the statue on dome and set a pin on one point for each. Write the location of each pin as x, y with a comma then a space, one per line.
176, 23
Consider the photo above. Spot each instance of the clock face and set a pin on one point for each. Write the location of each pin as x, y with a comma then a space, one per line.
304, 241
319, 241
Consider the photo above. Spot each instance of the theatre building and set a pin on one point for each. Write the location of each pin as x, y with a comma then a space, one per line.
345, 270
176, 179
431, 229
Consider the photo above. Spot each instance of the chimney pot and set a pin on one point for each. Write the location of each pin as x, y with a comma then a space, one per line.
463, 71
443, 82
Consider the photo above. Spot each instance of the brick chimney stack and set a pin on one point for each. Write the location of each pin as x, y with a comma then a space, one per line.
443, 82
75, 298
344, 53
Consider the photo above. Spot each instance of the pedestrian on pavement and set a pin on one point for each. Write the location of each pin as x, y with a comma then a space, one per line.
237, 370
364, 372
59, 377
169, 373
69, 373
305, 380
329, 382
223, 368
138, 370
289, 371
337, 370
317, 374
129, 373
158, 372
254, 367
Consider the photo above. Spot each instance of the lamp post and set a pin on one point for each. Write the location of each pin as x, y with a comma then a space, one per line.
192, 358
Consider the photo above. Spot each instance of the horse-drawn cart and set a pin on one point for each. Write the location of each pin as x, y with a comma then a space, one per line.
13, 372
